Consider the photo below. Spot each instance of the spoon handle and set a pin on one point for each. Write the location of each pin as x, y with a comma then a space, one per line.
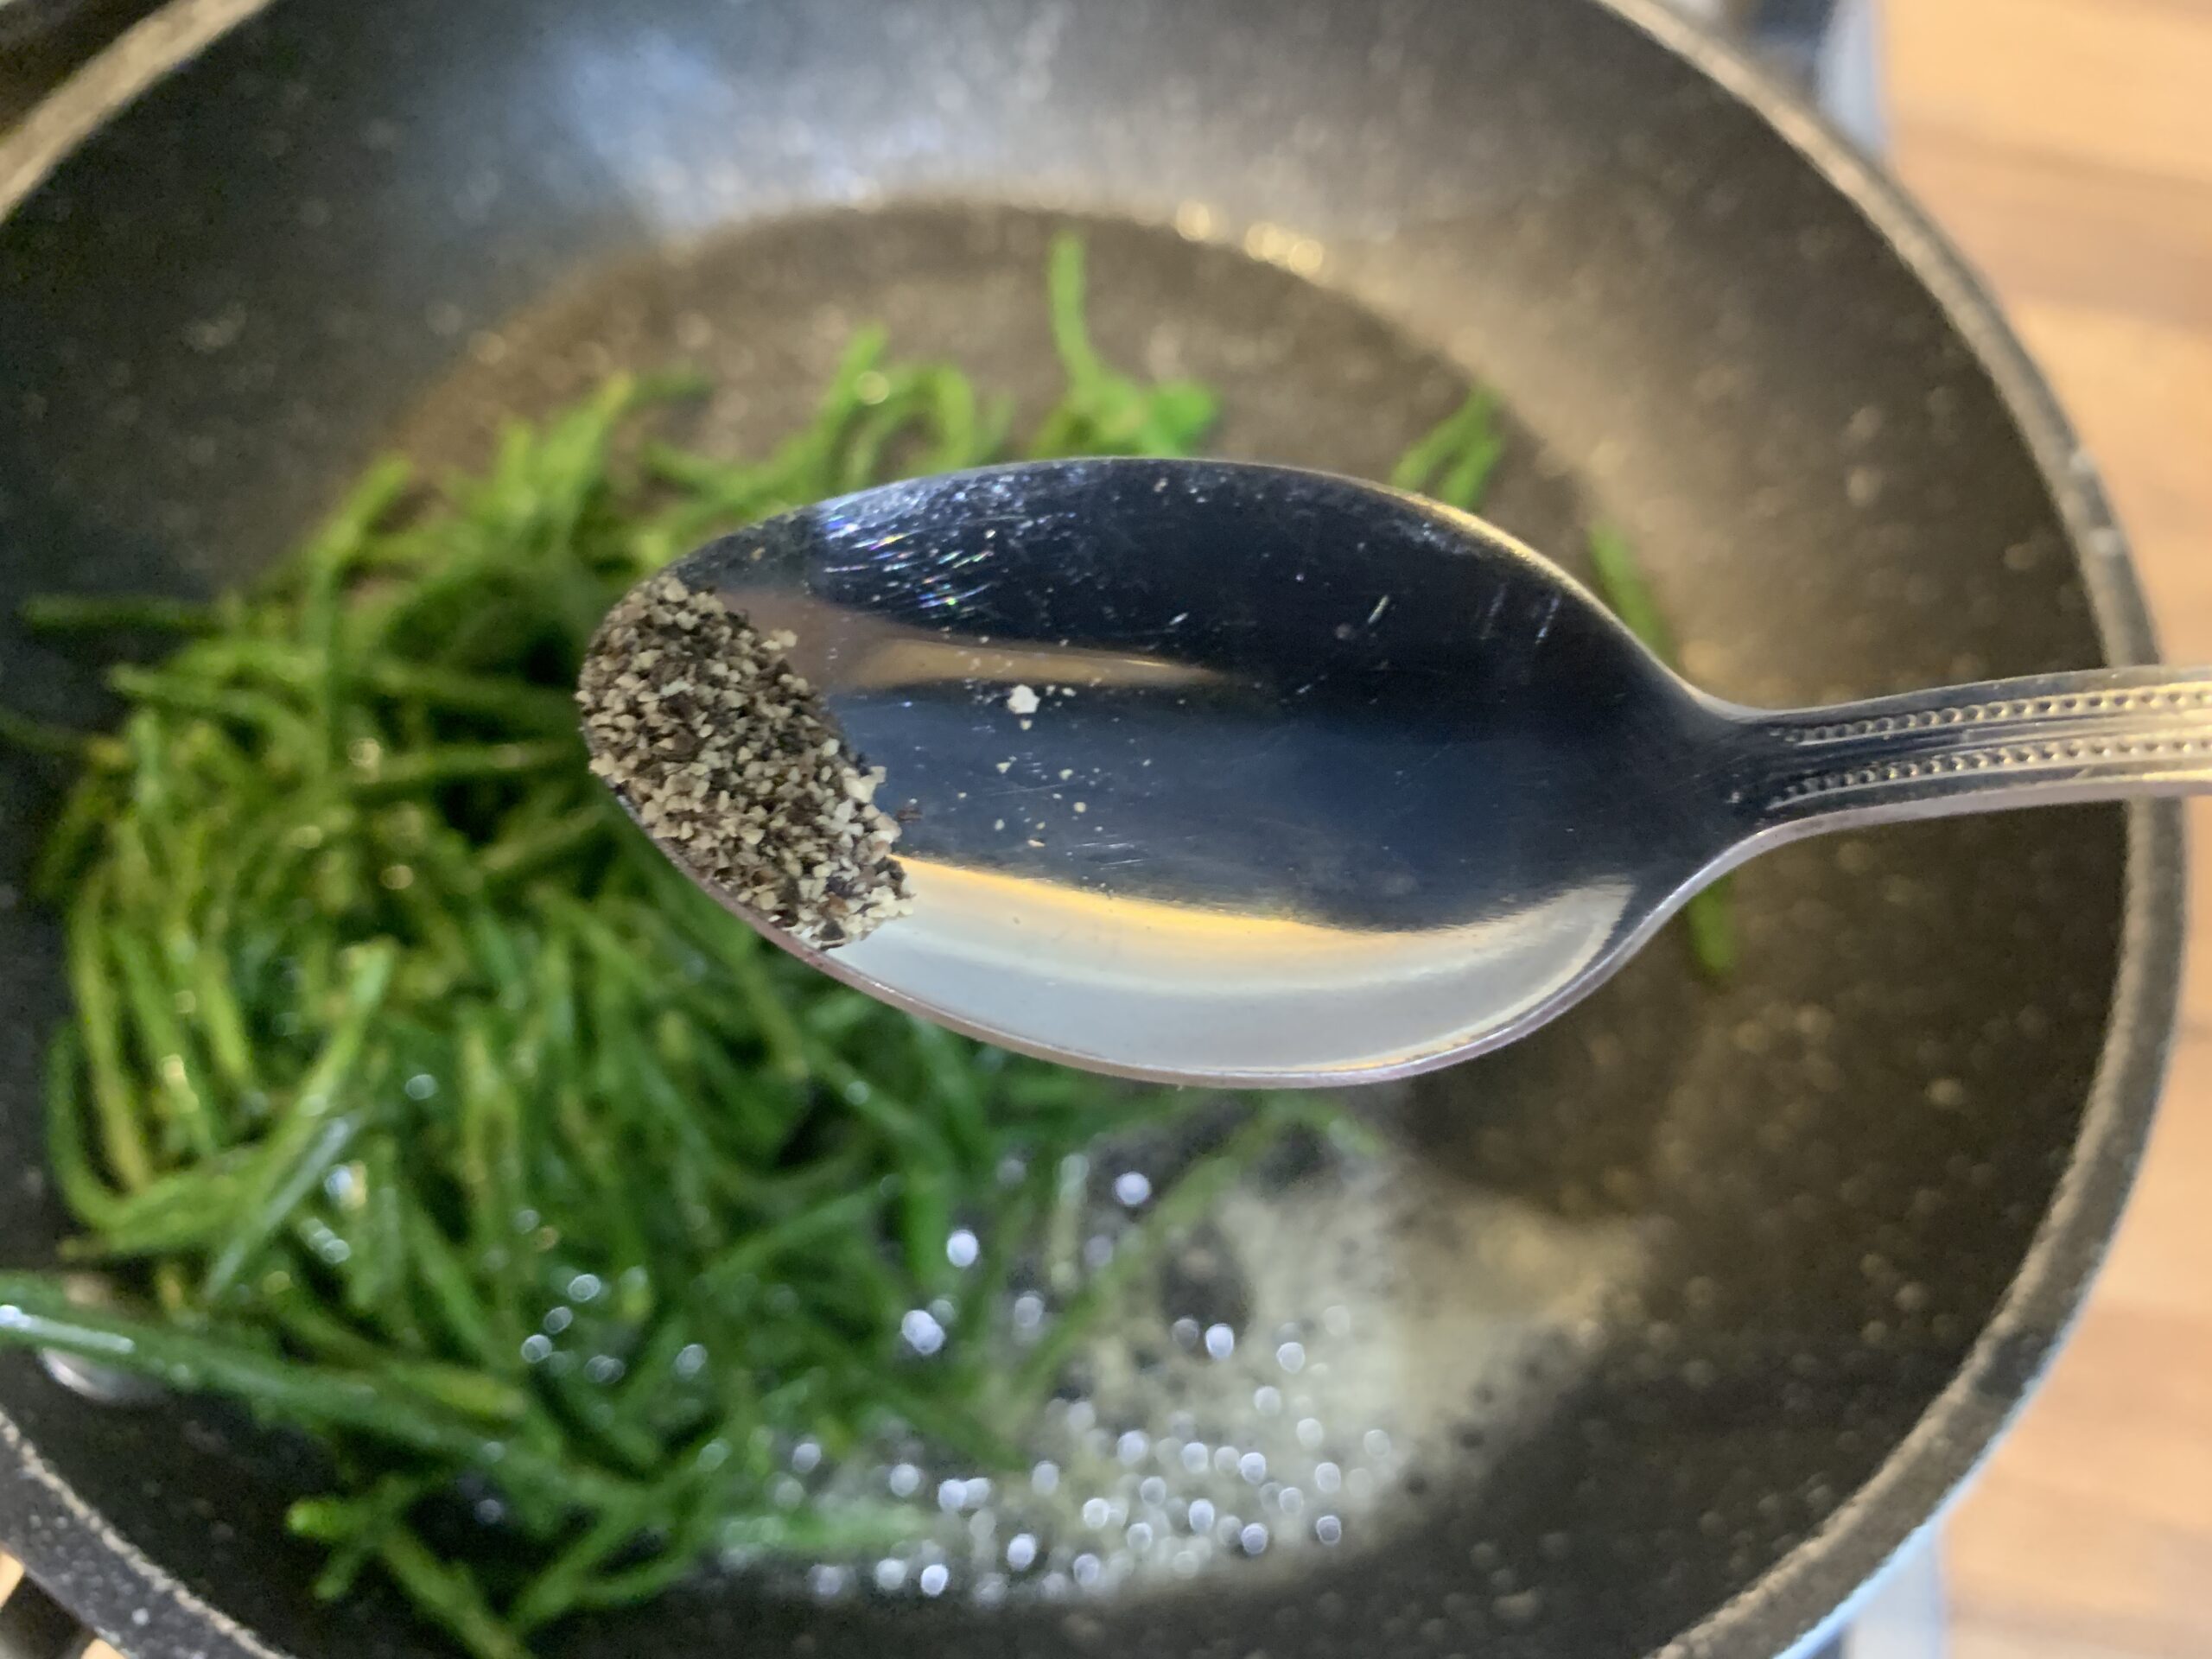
2099, 734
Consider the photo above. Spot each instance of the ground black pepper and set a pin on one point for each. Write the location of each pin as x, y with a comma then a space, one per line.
730, 761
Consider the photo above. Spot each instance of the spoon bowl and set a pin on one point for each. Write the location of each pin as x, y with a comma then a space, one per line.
1248, 775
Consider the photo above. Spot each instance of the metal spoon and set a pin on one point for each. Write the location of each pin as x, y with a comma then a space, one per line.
1323, 783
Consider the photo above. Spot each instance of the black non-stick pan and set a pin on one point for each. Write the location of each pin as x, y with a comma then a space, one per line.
1856, 1192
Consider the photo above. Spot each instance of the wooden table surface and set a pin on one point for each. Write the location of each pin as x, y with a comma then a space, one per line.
2066, 144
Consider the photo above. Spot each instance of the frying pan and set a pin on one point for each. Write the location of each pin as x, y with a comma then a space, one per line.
1865, 1181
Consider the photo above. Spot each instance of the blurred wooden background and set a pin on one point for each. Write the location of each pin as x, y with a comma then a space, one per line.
2067, 145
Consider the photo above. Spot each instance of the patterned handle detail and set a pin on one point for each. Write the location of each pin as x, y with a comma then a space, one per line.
2096, 735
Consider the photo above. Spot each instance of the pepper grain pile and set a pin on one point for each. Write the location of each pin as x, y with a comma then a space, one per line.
726, 753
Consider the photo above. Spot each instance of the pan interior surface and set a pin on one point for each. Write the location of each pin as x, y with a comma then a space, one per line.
1683, 1270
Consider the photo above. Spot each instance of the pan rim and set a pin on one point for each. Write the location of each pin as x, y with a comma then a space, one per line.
1807, 1599
1807, 1596
1815, 1590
